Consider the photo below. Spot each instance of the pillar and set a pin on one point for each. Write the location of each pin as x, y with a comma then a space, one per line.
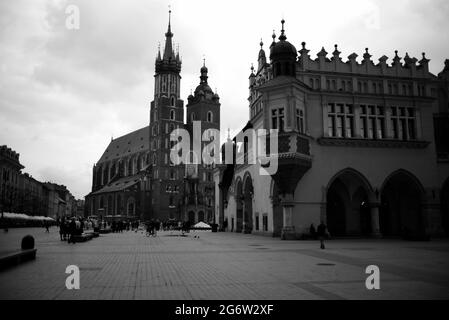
375, 225
288, 229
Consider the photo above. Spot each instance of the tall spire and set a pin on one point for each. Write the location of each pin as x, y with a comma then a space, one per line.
168, 51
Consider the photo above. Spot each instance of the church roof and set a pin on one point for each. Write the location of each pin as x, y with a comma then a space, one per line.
134, 142
119, 185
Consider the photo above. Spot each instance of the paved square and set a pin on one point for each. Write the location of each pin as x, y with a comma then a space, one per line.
224, 266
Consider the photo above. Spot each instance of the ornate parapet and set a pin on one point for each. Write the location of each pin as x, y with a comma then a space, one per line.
408, 69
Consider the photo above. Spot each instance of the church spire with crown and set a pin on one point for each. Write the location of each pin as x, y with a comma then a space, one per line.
168, 50
170, 61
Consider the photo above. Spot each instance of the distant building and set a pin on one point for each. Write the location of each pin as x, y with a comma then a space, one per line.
21, 193
10, 170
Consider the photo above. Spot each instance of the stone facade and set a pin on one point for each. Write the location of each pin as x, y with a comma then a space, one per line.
357, 147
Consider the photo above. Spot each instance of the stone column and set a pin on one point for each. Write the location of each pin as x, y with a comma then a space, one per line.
375, 225
243, 216
288, 229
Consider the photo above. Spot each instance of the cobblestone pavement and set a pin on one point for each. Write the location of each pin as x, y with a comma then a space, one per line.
224, 266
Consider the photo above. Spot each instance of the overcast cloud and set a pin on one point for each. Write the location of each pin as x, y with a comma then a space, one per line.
64, 93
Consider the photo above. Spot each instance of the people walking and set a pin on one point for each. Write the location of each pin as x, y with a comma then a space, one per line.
321, 233
312, 231
72, 231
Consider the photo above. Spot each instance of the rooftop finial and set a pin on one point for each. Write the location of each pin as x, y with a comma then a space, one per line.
169, 14
261, 43
229, 133
204, 60
282, 36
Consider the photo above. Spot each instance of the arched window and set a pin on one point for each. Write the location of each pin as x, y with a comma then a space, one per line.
172, 114
210, 117
192, 116
172, 101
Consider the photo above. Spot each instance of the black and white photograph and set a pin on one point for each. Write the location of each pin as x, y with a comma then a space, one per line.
227, 151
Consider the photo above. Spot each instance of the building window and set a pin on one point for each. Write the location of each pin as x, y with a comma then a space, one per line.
257, 222
172, 114
277, 119
340, 120
172, 101
372, 122
192, 116
403, 123
210, 117
300, 120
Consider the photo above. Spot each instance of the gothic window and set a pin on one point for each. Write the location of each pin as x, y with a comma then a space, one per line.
164, 83
340, 120
172, 114
192, 116
403, 122
372, 122
210, 117
172, 101
300, 120
277, 119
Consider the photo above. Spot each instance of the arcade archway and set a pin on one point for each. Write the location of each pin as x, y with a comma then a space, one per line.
348, 204
239, 205
401, 212
248, 193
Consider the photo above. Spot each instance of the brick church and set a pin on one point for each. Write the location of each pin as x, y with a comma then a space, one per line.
135, 178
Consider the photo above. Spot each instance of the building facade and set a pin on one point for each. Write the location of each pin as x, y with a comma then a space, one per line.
120, 183
362, 146
135, 177
21, 193
203, 114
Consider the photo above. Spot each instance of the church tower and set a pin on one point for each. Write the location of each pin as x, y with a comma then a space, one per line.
166, 114
203, 109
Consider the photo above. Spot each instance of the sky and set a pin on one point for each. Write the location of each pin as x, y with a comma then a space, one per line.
65, 92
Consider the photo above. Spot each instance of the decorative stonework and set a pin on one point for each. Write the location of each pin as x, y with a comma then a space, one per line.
362, 143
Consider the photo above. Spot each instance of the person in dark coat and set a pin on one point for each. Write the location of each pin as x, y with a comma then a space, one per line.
72, 231
321, 233
312, 231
